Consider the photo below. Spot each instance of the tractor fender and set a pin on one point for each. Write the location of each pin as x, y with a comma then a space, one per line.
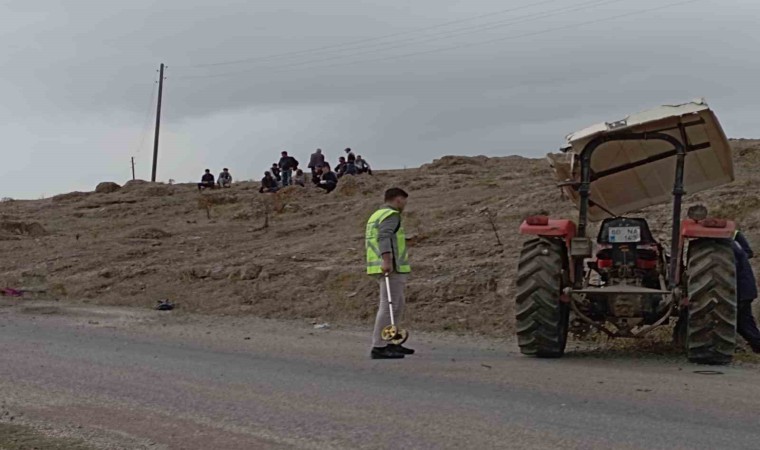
544, 226
708, 228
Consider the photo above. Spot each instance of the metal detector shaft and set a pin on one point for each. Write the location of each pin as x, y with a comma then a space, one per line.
390, 299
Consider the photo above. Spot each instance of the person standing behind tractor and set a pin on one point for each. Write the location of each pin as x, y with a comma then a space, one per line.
387, 257
746, 292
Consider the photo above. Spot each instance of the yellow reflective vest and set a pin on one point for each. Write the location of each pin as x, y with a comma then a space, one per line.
374, 258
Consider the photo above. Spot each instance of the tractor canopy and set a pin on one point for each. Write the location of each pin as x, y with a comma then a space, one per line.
627, 175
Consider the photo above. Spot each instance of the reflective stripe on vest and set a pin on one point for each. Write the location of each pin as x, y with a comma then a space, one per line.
374, 258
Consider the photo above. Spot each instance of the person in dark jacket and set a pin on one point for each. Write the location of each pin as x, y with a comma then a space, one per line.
207, 181
746, 292
317, 159
340, 168
268, 184
327, 178
287, 165
350, 155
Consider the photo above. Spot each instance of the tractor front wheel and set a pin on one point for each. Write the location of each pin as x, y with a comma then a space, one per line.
542, 319
711, 285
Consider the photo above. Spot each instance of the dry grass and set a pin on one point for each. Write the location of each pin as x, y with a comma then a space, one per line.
308, 244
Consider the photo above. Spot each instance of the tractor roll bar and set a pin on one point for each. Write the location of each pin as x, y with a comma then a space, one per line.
584, 190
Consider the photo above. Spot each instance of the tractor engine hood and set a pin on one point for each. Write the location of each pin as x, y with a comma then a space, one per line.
631, 175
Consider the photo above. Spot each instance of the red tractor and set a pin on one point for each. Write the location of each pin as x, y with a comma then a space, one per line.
625, 283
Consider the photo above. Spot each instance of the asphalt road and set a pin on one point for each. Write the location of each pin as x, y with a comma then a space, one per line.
121, 378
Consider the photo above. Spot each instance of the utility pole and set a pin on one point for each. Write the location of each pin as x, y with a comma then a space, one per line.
133, 168
158, 122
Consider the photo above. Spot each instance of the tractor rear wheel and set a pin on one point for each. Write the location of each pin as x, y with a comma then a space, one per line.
542, 319
711, 286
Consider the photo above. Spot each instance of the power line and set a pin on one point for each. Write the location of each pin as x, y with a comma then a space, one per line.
146, 122
455, 47
443, 35
362, 41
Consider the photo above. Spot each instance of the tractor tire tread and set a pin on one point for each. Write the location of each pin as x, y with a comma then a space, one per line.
539, 313
711, 286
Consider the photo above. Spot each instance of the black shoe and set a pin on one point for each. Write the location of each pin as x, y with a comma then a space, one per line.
401, 349
385, 353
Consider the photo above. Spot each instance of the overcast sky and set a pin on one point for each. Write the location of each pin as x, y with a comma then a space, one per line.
247, 79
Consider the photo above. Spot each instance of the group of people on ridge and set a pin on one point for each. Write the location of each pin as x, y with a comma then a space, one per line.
223, 181
286, 173
281, 174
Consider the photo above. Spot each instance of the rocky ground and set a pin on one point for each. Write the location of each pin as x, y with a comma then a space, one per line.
299, 254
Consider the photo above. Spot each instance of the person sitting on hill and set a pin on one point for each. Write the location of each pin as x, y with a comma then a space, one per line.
276, 172
268, 184
327, 178
362, 166
225, 179
341, 167
317, 177
207, 181
350, 168
299, 178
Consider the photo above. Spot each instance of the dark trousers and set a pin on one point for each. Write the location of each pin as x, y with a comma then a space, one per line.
746, 325
329, 186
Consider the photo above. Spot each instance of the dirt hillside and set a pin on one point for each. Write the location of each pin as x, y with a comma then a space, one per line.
300, 254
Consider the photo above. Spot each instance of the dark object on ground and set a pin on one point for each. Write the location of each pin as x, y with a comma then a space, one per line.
164, 305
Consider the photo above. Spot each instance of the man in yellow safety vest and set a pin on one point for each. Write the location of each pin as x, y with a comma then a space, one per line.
387, 256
